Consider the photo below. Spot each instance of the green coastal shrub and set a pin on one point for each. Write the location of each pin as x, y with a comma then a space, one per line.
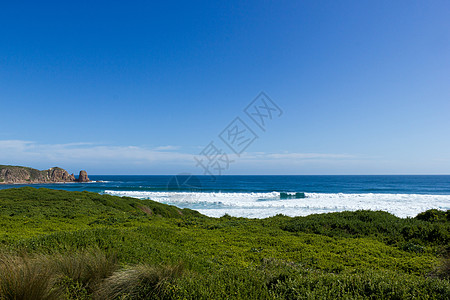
434, 215
379, 225
373, 285
81, 245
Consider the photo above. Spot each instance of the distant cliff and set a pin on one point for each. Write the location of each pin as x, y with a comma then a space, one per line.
25, 175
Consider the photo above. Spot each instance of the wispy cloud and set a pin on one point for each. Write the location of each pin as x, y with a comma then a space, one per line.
158, 159
14, 144
296, 156
21, 152
166, 148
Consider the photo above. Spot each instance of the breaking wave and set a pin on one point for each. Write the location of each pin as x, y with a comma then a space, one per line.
260, 205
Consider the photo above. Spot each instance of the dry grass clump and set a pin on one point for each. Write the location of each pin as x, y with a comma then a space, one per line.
24, 278
443, 271
138, 282
87, 268
78, 275
52, 276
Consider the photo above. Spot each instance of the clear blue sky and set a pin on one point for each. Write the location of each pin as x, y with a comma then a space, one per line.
135, 87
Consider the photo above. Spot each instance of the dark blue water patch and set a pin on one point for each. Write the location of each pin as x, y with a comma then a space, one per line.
296, 195
355, 184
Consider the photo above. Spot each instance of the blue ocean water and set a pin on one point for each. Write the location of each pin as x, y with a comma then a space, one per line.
261, 196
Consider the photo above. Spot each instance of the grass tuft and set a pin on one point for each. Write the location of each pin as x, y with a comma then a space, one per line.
142, 281
84, 269
24, 278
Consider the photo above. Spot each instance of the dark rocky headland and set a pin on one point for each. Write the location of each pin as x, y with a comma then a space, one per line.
25, 175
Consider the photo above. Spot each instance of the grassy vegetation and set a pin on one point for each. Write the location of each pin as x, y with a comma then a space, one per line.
81, 245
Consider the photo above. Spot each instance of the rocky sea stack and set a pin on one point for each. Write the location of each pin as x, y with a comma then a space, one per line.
83, 177
25, 175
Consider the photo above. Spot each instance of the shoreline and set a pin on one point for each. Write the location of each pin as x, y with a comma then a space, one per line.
44, 182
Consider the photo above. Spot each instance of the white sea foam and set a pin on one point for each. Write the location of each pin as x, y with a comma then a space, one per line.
260, 205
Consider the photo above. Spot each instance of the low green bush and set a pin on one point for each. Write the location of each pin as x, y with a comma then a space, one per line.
106, 247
